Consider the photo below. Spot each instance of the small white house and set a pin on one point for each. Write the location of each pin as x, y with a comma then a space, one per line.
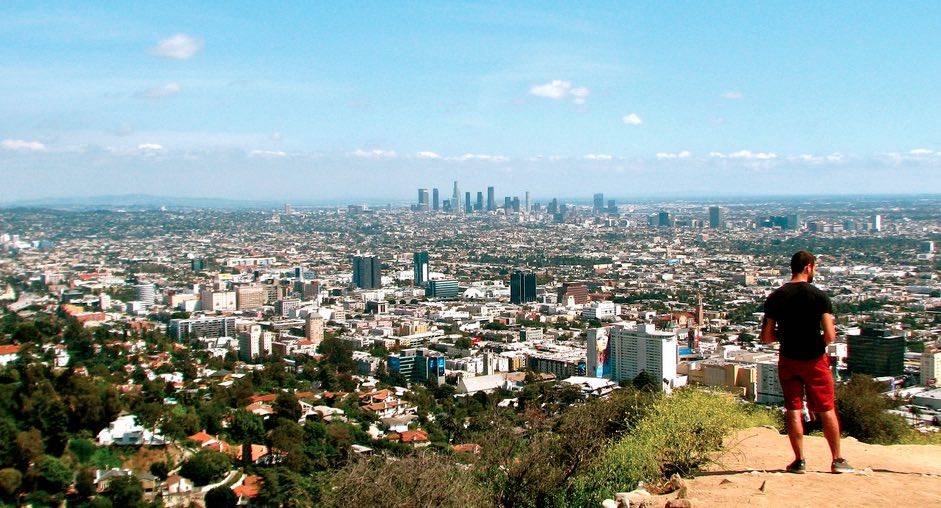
125, 431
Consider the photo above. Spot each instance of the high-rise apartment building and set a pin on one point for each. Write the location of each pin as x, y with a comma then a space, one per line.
313, 327
468, 207
876, 352
491, 200
598, 203
522, 287
435, 204
367, 272
420, 262
643, 348
479, 207
253, 342
203, 326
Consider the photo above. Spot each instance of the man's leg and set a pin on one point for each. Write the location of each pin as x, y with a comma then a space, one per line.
795, 432
831, 430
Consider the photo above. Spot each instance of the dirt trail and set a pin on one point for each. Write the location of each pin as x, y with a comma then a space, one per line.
901, 475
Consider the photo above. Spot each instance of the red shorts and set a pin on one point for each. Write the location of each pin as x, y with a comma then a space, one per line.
810, 376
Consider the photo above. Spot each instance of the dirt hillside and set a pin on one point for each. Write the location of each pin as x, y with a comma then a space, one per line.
908, 475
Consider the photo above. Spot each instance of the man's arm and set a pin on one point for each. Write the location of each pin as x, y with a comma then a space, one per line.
767, 331
829, 329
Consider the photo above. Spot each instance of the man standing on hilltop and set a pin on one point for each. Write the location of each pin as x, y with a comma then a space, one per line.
800, 317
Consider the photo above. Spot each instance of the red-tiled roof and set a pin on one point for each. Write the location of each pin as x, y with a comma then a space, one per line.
202, 437
269, 397
414, 436
250, 487
10, 349
467, 448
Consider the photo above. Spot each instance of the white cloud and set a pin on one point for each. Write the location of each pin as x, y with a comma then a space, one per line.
598, 157
684, 154
632, 119
375, 154
558, 89
580, 94
275, 136
19, 144
916, 155
480, 157
152, 147
733, 95
178, 47
162, 91
427, 155
747, 154
267, 153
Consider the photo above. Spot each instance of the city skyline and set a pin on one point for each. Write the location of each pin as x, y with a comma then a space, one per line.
373, 101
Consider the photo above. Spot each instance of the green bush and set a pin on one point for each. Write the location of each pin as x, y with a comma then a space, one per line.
861, 407
206, 467
678, 435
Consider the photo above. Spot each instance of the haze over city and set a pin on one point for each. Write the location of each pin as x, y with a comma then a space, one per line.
319, 102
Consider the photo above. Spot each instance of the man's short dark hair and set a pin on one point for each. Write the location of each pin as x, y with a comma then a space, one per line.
800, 260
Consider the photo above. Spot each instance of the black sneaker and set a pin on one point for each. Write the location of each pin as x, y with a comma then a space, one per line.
841, 466
799, 466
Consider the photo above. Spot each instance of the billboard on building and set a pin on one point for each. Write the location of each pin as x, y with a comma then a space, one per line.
599, 353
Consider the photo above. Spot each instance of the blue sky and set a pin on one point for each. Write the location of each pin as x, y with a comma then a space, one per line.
307, 101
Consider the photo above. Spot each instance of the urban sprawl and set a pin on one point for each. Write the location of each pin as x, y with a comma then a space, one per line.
355, 314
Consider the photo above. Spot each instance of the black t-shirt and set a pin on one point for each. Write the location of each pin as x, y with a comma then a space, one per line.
797, 308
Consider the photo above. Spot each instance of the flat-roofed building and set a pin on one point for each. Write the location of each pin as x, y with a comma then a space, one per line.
203, 326
216, 301
876, 352
249, 297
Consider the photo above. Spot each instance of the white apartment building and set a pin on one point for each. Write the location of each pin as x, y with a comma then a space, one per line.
643, 348
931, 366
253, 343
601, 310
